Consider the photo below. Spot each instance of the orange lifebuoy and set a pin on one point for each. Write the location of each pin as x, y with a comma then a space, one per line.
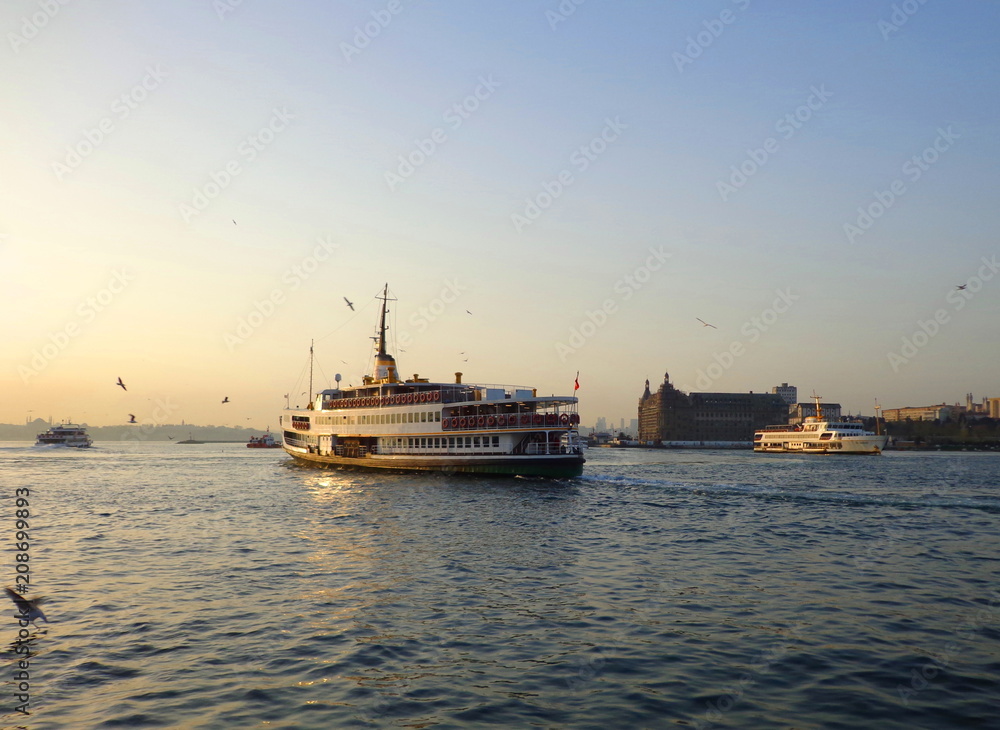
564, 419
550, 419
409, 397
436, 395
574, 418
423, 397
481, 421
538, 419
454, 423
525, 420
491, 421
463, 422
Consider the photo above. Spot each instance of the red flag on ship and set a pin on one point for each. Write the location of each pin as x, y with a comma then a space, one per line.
576, 383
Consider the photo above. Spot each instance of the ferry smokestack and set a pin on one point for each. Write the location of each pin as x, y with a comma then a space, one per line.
458, 378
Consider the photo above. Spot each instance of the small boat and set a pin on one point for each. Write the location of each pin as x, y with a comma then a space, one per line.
391, 424
815, 435
263, 442
66, 434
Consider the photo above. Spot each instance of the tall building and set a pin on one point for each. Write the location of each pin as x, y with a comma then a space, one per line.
670, 414
789, 393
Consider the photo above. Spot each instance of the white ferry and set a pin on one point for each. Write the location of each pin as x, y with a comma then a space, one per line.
818, 436
419, 425
66, 434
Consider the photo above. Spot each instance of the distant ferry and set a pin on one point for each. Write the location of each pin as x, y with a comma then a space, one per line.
263, 442
66, 434
818, 436
407, 425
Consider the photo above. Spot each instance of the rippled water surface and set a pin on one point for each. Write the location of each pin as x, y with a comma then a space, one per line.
214, 586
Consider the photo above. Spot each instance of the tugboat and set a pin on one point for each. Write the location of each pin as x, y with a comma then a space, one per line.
392, 424
66, 434
263, 442
819, 436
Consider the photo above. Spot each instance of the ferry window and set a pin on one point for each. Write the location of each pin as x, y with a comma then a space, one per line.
423, 416
409, 417
475, 443
451, 442
437, 415
496, 440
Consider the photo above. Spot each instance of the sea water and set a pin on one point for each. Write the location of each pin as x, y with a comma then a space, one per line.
215, 586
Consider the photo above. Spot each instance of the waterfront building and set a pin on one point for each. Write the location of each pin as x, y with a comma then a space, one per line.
789, 393
799, 412
941, 412
670, 414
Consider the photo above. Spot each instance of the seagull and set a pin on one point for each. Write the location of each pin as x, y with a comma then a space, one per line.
706, 323
27, 608
170, 437
349, 303
226, 399
121, 384
467, 311
131, 418
959, 288
234, 221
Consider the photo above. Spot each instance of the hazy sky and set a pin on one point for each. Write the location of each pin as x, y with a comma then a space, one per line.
188, 191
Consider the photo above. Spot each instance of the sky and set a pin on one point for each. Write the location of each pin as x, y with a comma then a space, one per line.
189, 190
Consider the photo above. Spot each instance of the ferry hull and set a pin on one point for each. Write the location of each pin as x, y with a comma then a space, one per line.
557, 466
868, 446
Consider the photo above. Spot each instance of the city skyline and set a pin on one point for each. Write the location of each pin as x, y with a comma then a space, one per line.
740, 193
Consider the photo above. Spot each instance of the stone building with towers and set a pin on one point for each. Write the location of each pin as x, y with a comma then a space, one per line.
670, 414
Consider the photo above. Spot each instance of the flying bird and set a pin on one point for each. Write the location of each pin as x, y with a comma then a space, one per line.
706, 323
234, 221
226, 399
958, 288
121, 384
349, 303
467, 311
131, 418
170, 437
27, 608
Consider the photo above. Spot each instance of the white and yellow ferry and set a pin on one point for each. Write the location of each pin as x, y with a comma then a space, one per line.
818, 436
417, 425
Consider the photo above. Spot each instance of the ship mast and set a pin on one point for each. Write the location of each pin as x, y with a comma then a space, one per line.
311, 372
381, 326
819, 408
385, 364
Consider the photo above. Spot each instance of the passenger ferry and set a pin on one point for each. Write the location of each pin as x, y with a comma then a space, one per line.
267, 441
818, 436
388, 423
66, 434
